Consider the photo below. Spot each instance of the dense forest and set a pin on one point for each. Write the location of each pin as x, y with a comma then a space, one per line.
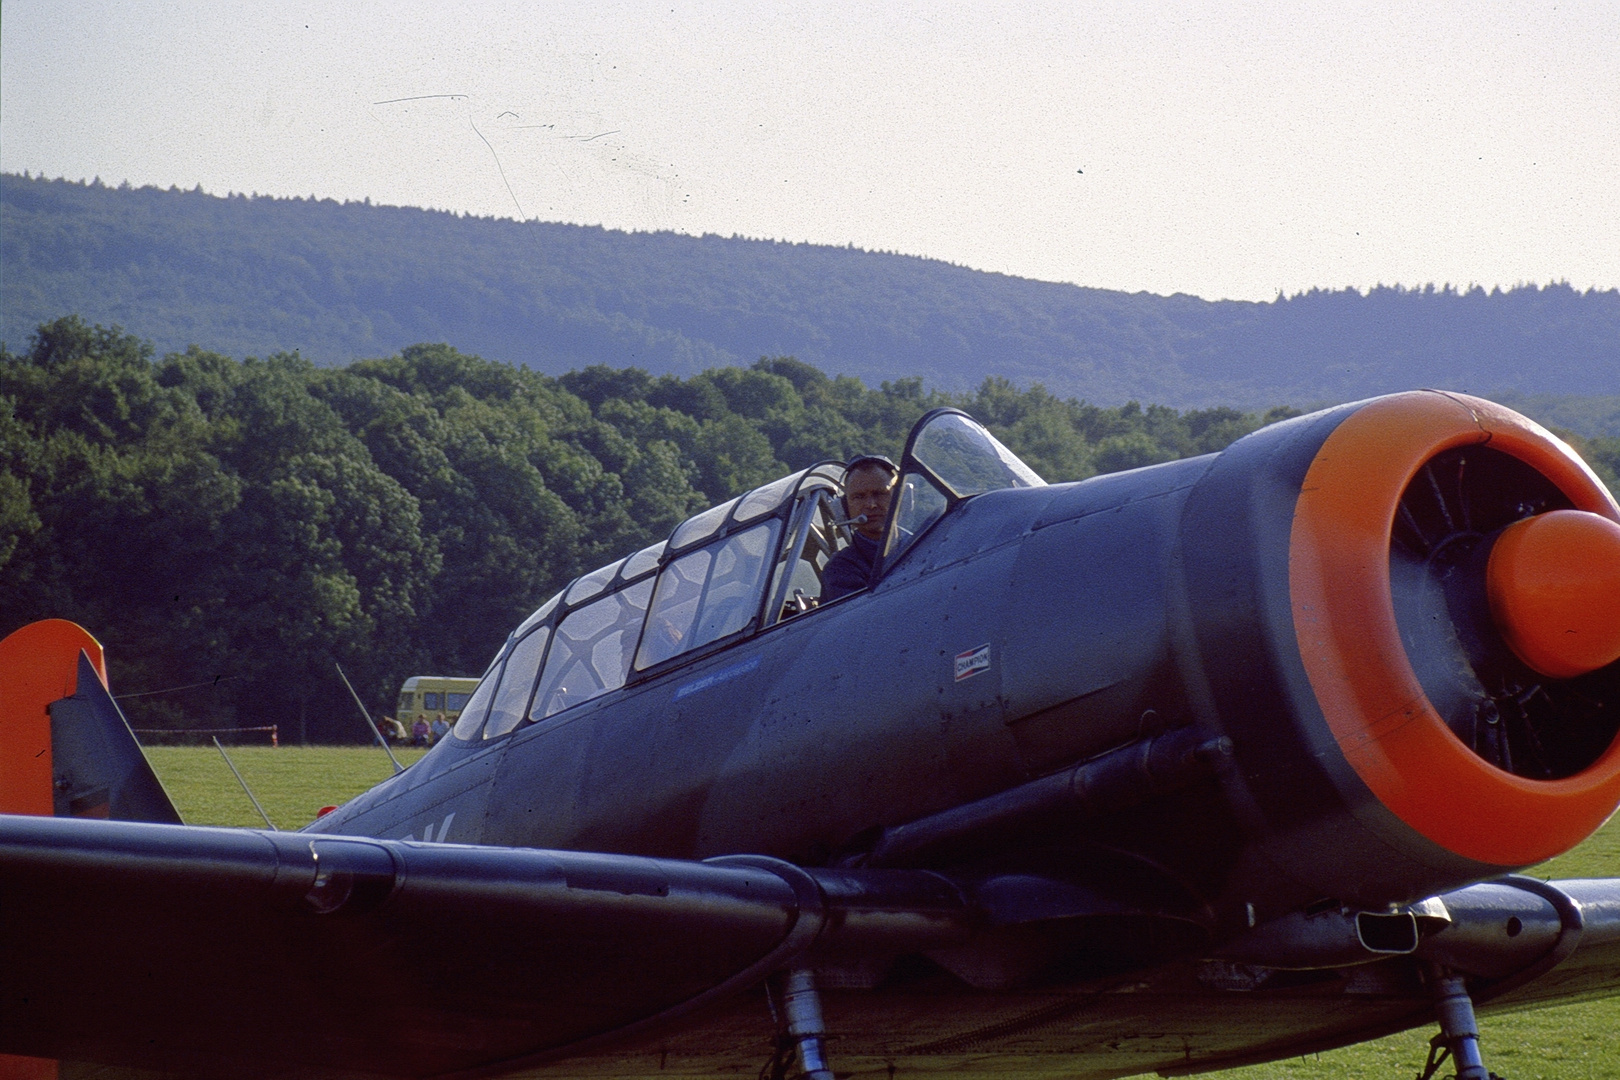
339, 281
237, 527
244, 525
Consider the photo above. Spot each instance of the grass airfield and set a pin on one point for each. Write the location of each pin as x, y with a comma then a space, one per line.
292, 783
1570, 1042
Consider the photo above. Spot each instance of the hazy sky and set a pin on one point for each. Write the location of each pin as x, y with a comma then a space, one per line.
1226, 150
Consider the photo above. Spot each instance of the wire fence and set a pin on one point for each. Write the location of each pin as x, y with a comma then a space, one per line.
201, 736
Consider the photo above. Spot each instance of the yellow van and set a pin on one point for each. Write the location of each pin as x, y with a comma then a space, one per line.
427, 696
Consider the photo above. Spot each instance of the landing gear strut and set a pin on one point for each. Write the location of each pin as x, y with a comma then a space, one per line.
800, 1053
1459, 1031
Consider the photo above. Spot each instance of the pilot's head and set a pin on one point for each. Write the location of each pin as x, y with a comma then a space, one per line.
868, 489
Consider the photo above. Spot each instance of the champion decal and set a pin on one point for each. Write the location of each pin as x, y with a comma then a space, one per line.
970, 663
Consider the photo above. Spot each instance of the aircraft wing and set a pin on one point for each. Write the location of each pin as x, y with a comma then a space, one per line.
233, 950
241, 953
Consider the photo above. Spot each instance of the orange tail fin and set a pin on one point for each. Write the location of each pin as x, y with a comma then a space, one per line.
39, 665
26, 1068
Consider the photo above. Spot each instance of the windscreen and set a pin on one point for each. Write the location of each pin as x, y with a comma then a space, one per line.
968, 459
949, 458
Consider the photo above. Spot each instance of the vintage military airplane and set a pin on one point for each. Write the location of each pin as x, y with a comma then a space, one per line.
1218, 761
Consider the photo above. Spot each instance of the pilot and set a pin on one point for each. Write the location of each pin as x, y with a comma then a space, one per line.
868, 490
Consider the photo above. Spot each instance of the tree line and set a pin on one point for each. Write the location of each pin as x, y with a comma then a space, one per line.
231, 530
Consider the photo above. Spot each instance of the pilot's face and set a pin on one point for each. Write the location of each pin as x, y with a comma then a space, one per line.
868, 492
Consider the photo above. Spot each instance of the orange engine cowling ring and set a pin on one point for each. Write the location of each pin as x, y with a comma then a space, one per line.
1358, 512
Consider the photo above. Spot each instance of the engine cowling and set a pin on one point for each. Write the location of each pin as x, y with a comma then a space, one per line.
1406, 615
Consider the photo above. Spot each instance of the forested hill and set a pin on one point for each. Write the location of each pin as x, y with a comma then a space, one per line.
339, 281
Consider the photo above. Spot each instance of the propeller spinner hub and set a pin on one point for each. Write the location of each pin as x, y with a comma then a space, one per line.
1554, 587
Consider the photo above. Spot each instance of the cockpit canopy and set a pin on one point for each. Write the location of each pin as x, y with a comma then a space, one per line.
949, 457
732, 570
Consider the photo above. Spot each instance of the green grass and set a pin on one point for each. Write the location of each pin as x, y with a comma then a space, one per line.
292, 783
1570, 1042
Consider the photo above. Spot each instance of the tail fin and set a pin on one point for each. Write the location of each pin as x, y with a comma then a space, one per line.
65, 748
38, 665
99, 768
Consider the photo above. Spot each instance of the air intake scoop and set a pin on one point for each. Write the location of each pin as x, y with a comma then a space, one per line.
1554, 587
